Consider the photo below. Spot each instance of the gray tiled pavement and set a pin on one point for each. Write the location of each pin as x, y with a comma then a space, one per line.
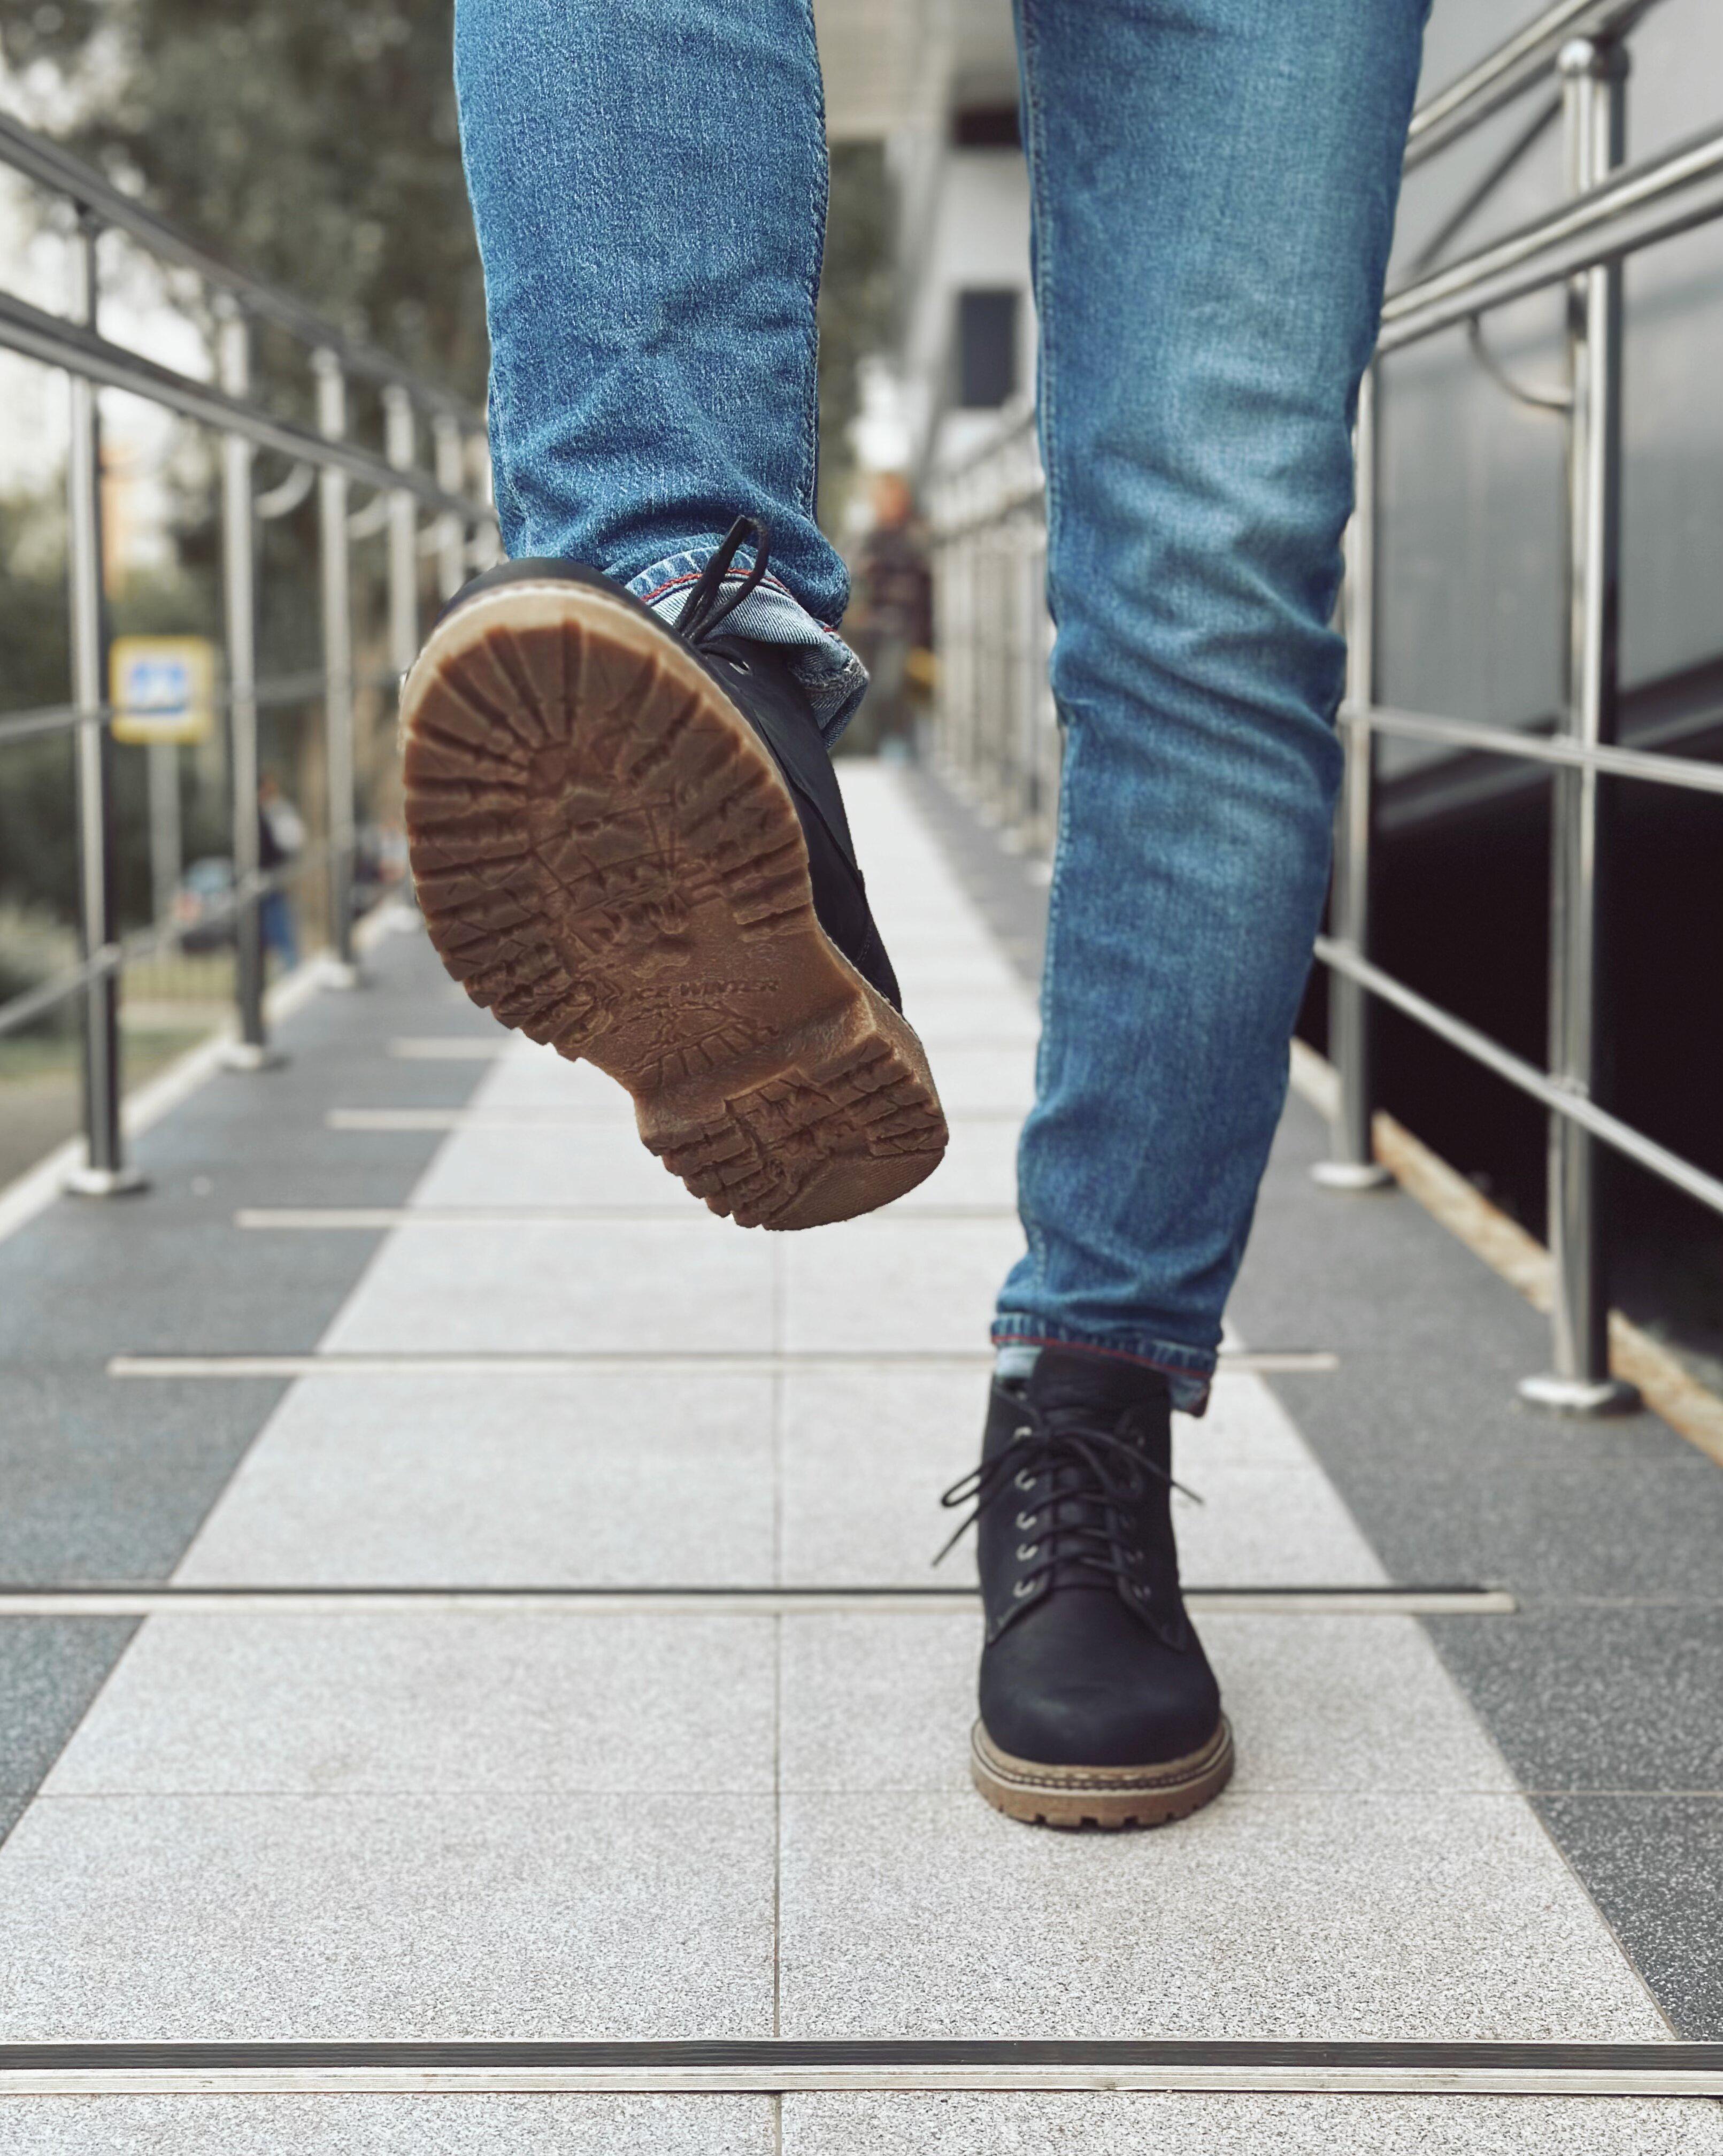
439, 1822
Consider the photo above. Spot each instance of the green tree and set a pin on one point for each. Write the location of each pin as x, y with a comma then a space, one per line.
314, 144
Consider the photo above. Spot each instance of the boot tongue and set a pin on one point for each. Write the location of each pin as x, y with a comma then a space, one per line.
1104, 1386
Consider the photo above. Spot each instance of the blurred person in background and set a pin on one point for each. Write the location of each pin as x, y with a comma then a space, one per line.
890, 621
282, 836
625, 831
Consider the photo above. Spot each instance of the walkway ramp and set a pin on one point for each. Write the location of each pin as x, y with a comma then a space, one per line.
495, 1605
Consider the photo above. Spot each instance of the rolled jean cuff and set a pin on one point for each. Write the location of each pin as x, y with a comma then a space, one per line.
833, 676
1187, 1370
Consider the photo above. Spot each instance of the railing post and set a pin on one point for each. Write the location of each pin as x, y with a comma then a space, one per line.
1351, 1164
104, 1173
1593, 76
251, 1050
401, 443
337, 671
451, 476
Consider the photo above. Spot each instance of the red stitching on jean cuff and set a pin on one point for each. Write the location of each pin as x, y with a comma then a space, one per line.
1113, 1354
768, 582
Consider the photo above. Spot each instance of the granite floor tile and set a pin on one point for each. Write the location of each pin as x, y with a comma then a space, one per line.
926, 972
150, 1919
1589, 1698
623, 1478
602, 1163
528, 1075
1655, 1864
954, 1019
1316, 1703
362, 1703
594, 1163
50, 1670
1246, 1426
1585, 1529
1400, 1917
965, 2124
1269, 1527
390, 2126
689, 1282
971, 1079
867, 1453
889, 1283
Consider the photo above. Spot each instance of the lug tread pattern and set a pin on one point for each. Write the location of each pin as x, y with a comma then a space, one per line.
607, 861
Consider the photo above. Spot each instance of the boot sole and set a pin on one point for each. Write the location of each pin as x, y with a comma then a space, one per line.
1109, 1797
608, 859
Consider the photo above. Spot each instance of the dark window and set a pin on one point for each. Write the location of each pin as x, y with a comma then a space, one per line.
986, 349
986, 127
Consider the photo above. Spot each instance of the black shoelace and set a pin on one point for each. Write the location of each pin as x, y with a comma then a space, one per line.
1094, 1478
708, 605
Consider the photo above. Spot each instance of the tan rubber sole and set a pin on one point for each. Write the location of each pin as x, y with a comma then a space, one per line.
1101, 1796
608, 859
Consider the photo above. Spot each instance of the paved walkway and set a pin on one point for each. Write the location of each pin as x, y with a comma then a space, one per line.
604, 1808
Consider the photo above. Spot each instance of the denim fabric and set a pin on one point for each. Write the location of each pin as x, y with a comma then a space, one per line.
1214, 184
833, 676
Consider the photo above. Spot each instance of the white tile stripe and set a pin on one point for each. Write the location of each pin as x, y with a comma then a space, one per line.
770, 1602
1589, 1981
1529, 2079
342, 1363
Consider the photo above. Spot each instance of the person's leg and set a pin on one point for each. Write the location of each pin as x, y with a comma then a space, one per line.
626, 836
648, 181
1214, 186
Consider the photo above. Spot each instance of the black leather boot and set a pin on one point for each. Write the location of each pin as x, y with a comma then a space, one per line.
629, 842
1098, 1707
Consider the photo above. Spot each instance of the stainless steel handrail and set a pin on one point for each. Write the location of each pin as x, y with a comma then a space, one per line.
51, 166
1571, 1106
276, 689
73, 344
56, 342
1517, 64
113, 958
985, 505
1632, 210
1646, 764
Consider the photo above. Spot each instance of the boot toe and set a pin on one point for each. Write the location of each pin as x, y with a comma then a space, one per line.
1139, 1705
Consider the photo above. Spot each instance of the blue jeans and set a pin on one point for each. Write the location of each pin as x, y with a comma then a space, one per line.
1214, 184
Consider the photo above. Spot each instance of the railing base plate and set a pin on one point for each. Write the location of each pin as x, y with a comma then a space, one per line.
251, 1055
104, 1181
1579, 1396
1351, 1176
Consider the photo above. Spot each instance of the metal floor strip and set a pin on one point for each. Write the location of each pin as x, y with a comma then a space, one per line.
373, 1217
779, 2066
128, 1599
1296, 1362
526, 1118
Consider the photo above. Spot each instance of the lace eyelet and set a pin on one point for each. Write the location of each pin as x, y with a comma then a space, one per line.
1022, 1587
1025, 1551
1026, 1521
737, 665
1021, 1432
1023, 1479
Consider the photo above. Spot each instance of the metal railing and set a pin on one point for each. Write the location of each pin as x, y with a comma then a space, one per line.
450, 495
988, 512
